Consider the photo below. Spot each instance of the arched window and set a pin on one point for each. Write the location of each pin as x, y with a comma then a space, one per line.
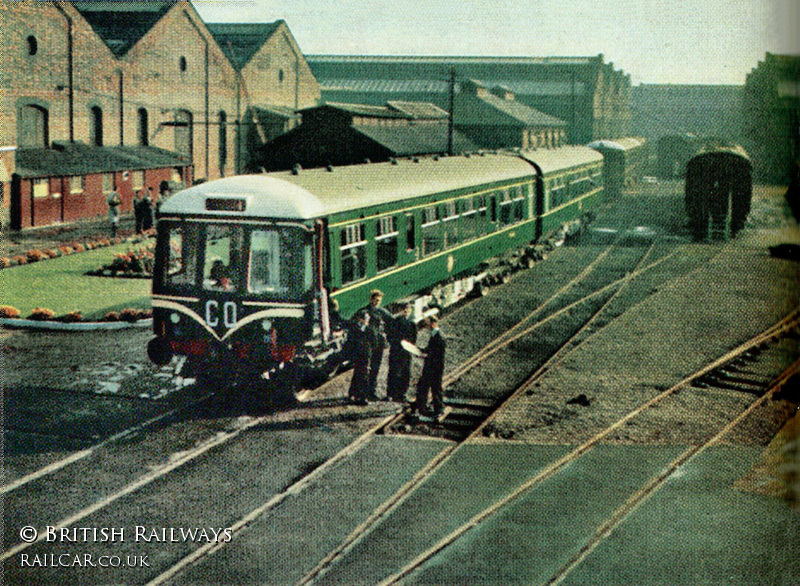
33, 45
32, 129
183, 132
182, 63
280, 76
143, 130
96, 126
223, 140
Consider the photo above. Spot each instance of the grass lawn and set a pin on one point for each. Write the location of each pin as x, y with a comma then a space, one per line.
61, 285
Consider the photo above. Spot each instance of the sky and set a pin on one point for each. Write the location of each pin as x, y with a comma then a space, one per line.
655, 41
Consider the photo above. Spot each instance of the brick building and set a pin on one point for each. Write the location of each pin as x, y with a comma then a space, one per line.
137, 74
771, 113
494, 119
587, 93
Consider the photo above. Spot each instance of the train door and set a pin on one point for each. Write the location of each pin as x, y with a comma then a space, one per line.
539, 205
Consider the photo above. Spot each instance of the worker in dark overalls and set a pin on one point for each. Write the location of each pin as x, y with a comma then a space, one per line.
403, 328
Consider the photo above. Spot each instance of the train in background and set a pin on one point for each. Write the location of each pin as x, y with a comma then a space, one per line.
718, 190
253, 273
625, 163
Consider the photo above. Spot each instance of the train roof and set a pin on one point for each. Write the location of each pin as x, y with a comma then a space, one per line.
313, 193
567, 157
618, 144
713, 148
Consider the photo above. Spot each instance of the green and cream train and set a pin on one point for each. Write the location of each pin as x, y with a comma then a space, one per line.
248, 267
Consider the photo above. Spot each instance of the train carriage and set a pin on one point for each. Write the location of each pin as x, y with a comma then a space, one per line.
246, 267
718, 190
625, 162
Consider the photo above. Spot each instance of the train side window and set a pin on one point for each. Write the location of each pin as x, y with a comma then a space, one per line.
450, 224
386, 242
469, 220
431, 238
411, 232
493, 207
354, 253
180, 266
505, 207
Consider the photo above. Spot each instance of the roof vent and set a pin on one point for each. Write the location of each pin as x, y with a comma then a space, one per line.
416, 159
393, 161
296, 169
329, 168
435, 157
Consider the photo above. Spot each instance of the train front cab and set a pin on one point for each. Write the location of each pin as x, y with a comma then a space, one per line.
236, 297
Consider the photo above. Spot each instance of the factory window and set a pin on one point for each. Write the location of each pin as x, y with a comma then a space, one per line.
386, 242
76, 184
280, 76
183, 132
96, 128
182, 63
144, 132
33, 45
108, 182
32, 130
353, 247
41, 188
138, 180
223, 141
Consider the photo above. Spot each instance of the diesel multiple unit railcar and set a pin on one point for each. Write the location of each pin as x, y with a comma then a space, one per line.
247, 267
718, 190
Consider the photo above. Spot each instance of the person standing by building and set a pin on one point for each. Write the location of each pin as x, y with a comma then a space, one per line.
113, 200
137, 210
147, 210
361, 343
379, 321
432, 372
403, 328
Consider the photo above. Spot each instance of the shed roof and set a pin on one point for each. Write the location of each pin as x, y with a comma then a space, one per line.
121, 24
491, 110
81, 159
240, 41
415, 139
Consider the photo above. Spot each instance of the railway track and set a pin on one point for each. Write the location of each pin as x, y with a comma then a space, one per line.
750, 353
292, 490
225, 438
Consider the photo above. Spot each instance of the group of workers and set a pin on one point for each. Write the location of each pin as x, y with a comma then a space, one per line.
372, 329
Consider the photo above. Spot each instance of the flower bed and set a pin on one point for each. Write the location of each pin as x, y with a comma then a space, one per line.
67, 248
136, 263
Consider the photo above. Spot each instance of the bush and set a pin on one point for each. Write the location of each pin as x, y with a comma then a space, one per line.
5, 262
71, 317
111, 316
20, 260
65, 250
78, 247
41, 314
9, 311
35, 255
130, 315
50, 253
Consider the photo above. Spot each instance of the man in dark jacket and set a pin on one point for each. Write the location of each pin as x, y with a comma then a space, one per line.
432, 372
380, 321
403, 328
361, 342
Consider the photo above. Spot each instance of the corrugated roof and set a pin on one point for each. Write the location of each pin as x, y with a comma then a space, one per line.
82, 159
121, 24
415, 139
418, 110
491, 110
240, 42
